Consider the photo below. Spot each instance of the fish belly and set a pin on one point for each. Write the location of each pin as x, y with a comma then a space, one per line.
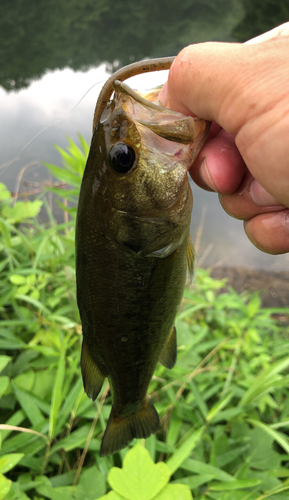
127, 305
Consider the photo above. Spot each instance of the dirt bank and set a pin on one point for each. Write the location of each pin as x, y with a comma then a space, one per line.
274, 286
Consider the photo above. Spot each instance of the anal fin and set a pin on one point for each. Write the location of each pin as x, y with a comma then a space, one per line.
91, 375
120, 431
191, 257
168, 354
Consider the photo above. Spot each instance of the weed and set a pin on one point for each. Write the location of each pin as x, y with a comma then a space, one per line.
224, 407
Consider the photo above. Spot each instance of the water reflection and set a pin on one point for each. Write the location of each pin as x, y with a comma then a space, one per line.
45, 103
49, 34
222, 240
38, 37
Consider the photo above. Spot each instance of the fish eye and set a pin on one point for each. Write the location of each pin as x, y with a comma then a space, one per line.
122, 157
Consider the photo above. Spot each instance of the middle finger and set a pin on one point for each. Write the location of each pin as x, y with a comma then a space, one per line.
249, 200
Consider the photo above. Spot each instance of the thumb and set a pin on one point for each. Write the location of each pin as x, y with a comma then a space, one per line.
213, 80
244, 88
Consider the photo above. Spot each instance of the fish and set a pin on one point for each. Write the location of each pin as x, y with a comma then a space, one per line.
133, 250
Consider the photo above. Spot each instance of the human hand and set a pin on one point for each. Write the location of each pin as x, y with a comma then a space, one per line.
244, 90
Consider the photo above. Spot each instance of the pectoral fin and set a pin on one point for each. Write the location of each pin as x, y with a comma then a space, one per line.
91, 375
191, 257
169, 353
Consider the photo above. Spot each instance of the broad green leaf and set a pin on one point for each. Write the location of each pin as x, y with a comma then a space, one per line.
44, 486
264, 381
91, 484
277, 436
140, 478
17, 279
262, 454
150, 444
22, 210
75, 440
269, 481
71, 403
64, 175
85, 147
26, 380
226, 415
202, 468
195, 480
15, 493
235, 485
64, 493
277, 425
254, 305
173, 431
23, 290
218, 407
9, 461
231, 455
11, 344
274, 492
4, 383
65, 479
28, 405
175, 461
23, 362
192, 310
5, 485
27, 442
57, 395
112, 495
4, 193
4, 360
175, 492
31, 463
34, 302
16, 420
199, 399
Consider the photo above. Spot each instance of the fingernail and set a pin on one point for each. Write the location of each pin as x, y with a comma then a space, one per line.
206, 176
261, 197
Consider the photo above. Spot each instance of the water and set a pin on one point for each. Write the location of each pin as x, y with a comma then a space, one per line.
91, 38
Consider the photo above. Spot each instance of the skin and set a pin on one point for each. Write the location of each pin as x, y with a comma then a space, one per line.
132, 252
243, 89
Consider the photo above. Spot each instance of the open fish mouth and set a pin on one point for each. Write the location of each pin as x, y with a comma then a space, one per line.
163, 132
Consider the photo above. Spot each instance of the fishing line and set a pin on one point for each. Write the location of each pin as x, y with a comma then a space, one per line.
45, 128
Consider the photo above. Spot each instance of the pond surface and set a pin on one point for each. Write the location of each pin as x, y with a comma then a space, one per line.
53, 52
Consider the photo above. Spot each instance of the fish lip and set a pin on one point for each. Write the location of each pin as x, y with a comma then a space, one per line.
168, 124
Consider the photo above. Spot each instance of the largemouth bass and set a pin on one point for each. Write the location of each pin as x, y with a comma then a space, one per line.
133, 250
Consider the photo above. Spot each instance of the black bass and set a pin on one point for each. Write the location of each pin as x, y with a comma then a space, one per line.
133, 249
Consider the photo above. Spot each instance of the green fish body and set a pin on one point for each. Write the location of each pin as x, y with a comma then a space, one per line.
133, 250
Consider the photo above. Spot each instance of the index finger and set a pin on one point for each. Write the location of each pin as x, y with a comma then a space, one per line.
244, 88
282, 30
226, 82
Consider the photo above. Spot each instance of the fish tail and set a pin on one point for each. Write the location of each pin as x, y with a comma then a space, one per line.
121, 431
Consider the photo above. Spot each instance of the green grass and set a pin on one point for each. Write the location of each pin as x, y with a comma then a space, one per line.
224, 408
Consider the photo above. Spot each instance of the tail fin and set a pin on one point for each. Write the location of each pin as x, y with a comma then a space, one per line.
121, 431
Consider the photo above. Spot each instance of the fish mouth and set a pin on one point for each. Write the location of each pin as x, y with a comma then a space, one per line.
170, 125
